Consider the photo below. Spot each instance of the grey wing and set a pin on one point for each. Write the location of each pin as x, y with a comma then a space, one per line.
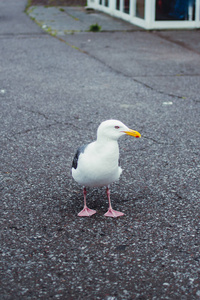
78, 152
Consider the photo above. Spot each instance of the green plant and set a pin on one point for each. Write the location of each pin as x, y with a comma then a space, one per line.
28, 4
95, 27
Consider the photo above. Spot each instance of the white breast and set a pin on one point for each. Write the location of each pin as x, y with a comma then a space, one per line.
98, 165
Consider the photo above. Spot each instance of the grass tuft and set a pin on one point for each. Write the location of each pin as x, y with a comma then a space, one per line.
95, 27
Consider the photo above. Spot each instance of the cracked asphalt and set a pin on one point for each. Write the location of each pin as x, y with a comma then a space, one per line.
54, 92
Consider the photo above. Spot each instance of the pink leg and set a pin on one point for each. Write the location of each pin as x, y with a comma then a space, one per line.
86, 212
111, 212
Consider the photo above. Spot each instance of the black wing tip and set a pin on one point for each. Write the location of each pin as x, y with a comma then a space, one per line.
80, 150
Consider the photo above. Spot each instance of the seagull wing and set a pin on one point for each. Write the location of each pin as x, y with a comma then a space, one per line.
78, 152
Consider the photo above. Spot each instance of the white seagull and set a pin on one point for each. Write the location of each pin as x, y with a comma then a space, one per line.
97, 164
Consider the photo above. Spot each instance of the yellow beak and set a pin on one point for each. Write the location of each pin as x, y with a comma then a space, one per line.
133, 133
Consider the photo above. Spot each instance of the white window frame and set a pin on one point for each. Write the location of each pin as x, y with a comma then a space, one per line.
149, 21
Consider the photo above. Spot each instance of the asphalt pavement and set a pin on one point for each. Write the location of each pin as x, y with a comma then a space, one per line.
58, 82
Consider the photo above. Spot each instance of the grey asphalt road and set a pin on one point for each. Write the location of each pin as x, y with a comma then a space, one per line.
54, 93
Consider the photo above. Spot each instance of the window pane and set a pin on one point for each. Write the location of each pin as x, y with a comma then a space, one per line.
126, 6
118, 4
140, 8
179, 10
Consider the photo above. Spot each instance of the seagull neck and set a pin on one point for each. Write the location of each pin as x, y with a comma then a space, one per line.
105, 140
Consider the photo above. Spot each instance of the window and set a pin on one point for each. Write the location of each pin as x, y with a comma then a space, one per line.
178, 10
140, 4
126, 6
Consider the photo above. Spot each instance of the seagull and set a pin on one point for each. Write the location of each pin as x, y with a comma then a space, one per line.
97, 164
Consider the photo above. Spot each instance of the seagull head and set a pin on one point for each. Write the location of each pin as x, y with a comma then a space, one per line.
113, 129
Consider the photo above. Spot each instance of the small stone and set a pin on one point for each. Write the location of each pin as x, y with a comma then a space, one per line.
166, 284
198, 293
167, 103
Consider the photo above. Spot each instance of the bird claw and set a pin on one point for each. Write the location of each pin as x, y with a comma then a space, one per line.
113, 213
86, 212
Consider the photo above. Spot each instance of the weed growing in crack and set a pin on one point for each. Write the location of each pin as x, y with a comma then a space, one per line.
95, 27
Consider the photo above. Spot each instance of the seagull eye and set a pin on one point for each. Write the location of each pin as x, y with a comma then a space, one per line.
116, 127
